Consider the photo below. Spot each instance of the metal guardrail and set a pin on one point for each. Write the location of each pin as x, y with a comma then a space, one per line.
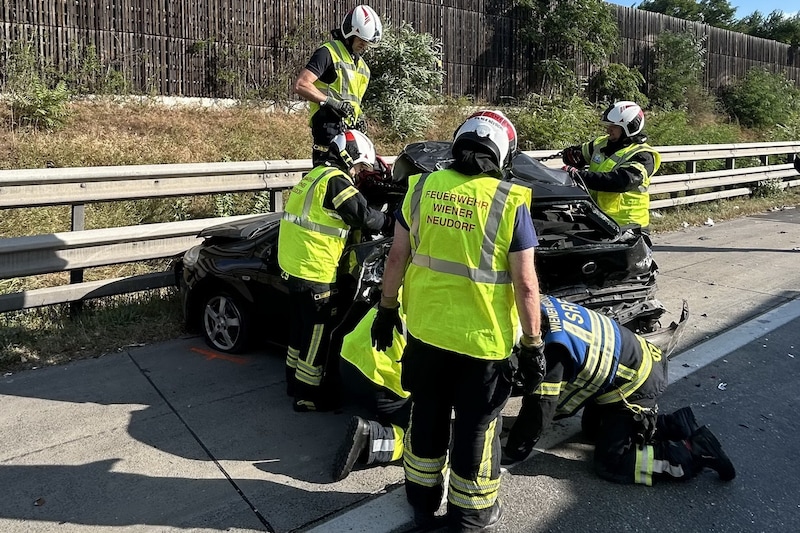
78, 249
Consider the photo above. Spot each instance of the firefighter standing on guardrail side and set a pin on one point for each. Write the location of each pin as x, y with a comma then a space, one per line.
463, 251
319, 214
336, 77
621, 165
617, 377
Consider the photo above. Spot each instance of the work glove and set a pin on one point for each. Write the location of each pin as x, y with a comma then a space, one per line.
360, 125
573, 172
646, 429
386, 321
572, 156
532, 366
341, 109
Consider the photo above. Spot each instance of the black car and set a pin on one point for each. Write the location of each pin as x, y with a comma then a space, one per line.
233, 291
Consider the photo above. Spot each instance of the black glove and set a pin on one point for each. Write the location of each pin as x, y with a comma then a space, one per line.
532, 367
360, 125
573, 156
573, 172
386, 321
646, 429
341, 109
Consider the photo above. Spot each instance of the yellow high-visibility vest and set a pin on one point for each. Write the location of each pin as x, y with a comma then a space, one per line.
352, 79
312, 238
457, 291
631, 207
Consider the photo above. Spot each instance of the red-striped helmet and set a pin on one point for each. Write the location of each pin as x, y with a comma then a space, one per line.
491, 129
353, 147
362, 22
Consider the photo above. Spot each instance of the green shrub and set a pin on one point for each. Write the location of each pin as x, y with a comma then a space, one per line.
767, 188
37, 98
616, 82
680, 59
761, 98
406, 74
543, 123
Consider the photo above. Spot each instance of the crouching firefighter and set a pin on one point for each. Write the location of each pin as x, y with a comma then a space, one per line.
617, 376
371, 379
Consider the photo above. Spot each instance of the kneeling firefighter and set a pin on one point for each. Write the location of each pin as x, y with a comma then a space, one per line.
372, 380
617, 376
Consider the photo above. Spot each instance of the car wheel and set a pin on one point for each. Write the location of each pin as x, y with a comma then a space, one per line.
226, 322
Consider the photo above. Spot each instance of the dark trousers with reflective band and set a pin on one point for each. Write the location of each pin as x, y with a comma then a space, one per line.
390, 412
310, 310
441, 381
324, 128
619, 458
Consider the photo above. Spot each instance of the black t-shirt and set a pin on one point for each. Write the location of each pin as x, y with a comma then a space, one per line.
321, 64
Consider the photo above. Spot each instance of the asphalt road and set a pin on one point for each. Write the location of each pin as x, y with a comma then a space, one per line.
174, 437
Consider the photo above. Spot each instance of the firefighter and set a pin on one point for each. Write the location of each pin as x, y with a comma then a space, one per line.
371, 379
621, 164
336, 77
463, 250
617, 376
319, 215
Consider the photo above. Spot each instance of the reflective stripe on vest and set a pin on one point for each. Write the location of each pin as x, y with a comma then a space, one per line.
593, 342
631, 207
303, 221
460, 231
311, 237
352, 78
483, 274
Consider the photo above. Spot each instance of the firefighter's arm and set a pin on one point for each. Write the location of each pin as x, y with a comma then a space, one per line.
536, 414
625, 177
343, 197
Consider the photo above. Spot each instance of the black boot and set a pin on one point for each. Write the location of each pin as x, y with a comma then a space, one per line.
679, 425
707, 453
354, 446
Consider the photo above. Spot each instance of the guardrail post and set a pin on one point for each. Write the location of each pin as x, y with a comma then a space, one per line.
276, 200
76, 276
730, 164
691, 168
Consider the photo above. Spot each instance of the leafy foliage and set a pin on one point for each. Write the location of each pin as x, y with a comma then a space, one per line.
719, 13
37, 97
680, 59
544, 123
406, 73
617, 82
587, 27
776, 26
761, 98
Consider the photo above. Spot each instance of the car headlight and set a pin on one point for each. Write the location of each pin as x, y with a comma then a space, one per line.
191, 256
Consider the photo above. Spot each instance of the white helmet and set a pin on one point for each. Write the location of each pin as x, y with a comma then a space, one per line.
353, 147
627, 115
362, 22
491, 129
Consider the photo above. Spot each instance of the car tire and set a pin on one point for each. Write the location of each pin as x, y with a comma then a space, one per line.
225, 321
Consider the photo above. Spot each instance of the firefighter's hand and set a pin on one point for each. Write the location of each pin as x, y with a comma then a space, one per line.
646, 430
386, 321
341, 109
532, 366
573, 172
572, 156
